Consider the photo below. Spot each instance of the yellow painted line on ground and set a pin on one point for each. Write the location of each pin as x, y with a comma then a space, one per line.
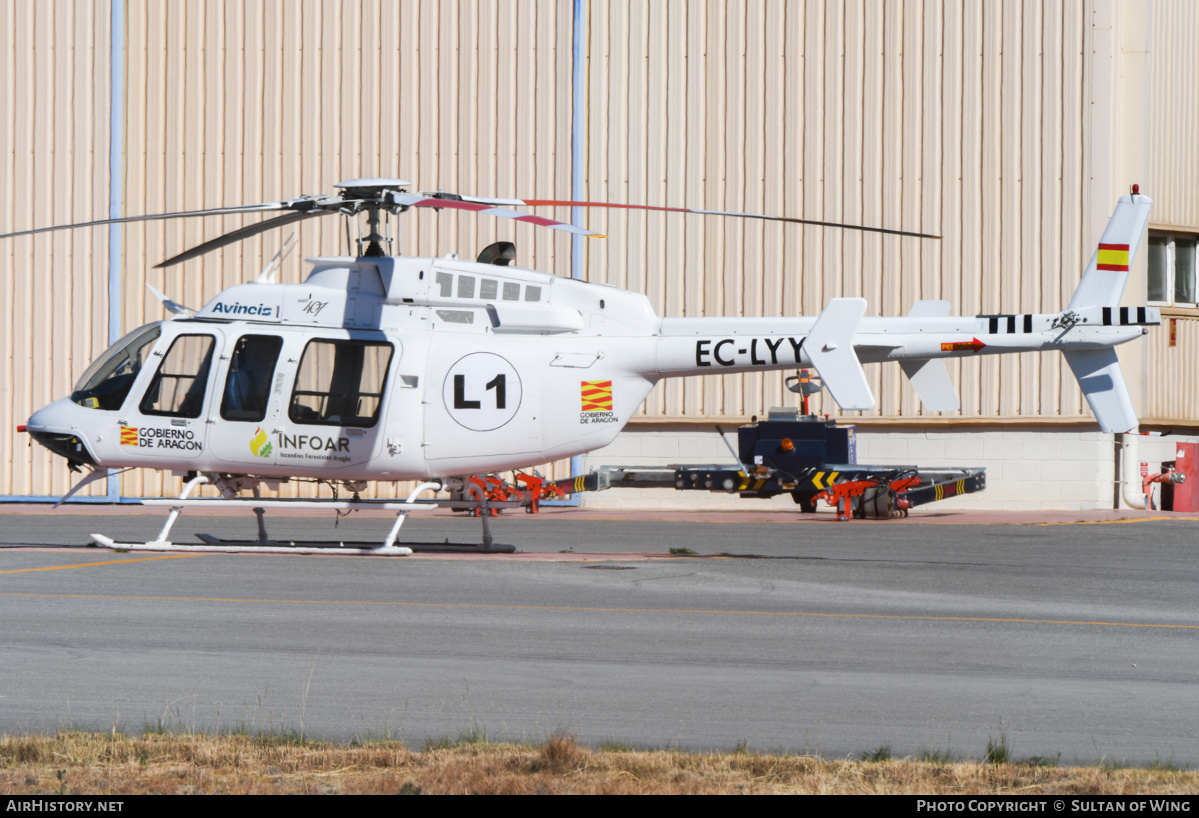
1127, 520
577, 609
100, 562
914, 519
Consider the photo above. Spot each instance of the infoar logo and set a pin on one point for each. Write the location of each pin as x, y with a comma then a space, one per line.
260, 445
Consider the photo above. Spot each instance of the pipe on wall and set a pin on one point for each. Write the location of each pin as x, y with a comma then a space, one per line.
1130, 473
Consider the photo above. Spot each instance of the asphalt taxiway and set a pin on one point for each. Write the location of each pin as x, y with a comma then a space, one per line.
1071, 641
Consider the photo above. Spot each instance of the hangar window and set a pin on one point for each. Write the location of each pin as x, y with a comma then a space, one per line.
340, 383
1172, 268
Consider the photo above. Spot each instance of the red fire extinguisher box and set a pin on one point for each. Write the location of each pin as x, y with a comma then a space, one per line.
1183, 496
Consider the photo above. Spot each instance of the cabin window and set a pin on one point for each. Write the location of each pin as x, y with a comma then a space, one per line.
487, 288
1172, 268
511, 291
340, 383
248, 385
445, 284
466, 286
532, 293
177, 389
107, 382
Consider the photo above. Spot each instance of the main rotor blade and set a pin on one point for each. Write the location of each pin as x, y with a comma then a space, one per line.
464, 203
239, 234
220, 211
791, 219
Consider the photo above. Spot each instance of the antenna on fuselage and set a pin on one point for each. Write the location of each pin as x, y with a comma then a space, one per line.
267, 276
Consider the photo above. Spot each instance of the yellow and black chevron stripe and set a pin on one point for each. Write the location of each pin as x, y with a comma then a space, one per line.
746, 482
950, 489
820, 482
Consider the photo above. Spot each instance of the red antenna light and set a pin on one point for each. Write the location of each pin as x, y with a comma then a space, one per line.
1136, 189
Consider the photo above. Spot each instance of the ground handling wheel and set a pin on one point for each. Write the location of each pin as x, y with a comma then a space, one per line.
877, 503
806, 500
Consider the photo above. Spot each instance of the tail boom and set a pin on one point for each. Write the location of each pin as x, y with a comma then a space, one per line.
841, 339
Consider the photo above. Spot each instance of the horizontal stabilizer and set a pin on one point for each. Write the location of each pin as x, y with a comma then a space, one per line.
1099, 376
931, 382
830, 348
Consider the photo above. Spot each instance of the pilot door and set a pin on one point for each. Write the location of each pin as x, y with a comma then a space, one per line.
167, 419
244, 420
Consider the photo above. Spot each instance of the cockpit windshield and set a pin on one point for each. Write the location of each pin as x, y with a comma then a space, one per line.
107, 381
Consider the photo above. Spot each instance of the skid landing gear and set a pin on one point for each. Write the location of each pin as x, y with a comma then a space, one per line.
265, 545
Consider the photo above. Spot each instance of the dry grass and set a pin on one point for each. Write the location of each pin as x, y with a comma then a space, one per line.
116, 764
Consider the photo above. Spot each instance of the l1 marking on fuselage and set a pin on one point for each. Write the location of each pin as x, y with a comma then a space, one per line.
482, 391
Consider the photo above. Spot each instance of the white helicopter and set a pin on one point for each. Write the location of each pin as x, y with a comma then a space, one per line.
386, 368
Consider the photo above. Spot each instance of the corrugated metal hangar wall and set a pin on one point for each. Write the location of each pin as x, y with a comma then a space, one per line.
1009, 128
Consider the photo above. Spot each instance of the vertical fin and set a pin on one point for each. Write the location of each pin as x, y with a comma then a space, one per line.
1103, 281
931, 381
929, 377
1099, 376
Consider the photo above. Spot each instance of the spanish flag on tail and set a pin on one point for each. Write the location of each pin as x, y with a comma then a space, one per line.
1112, 257
1103, 280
